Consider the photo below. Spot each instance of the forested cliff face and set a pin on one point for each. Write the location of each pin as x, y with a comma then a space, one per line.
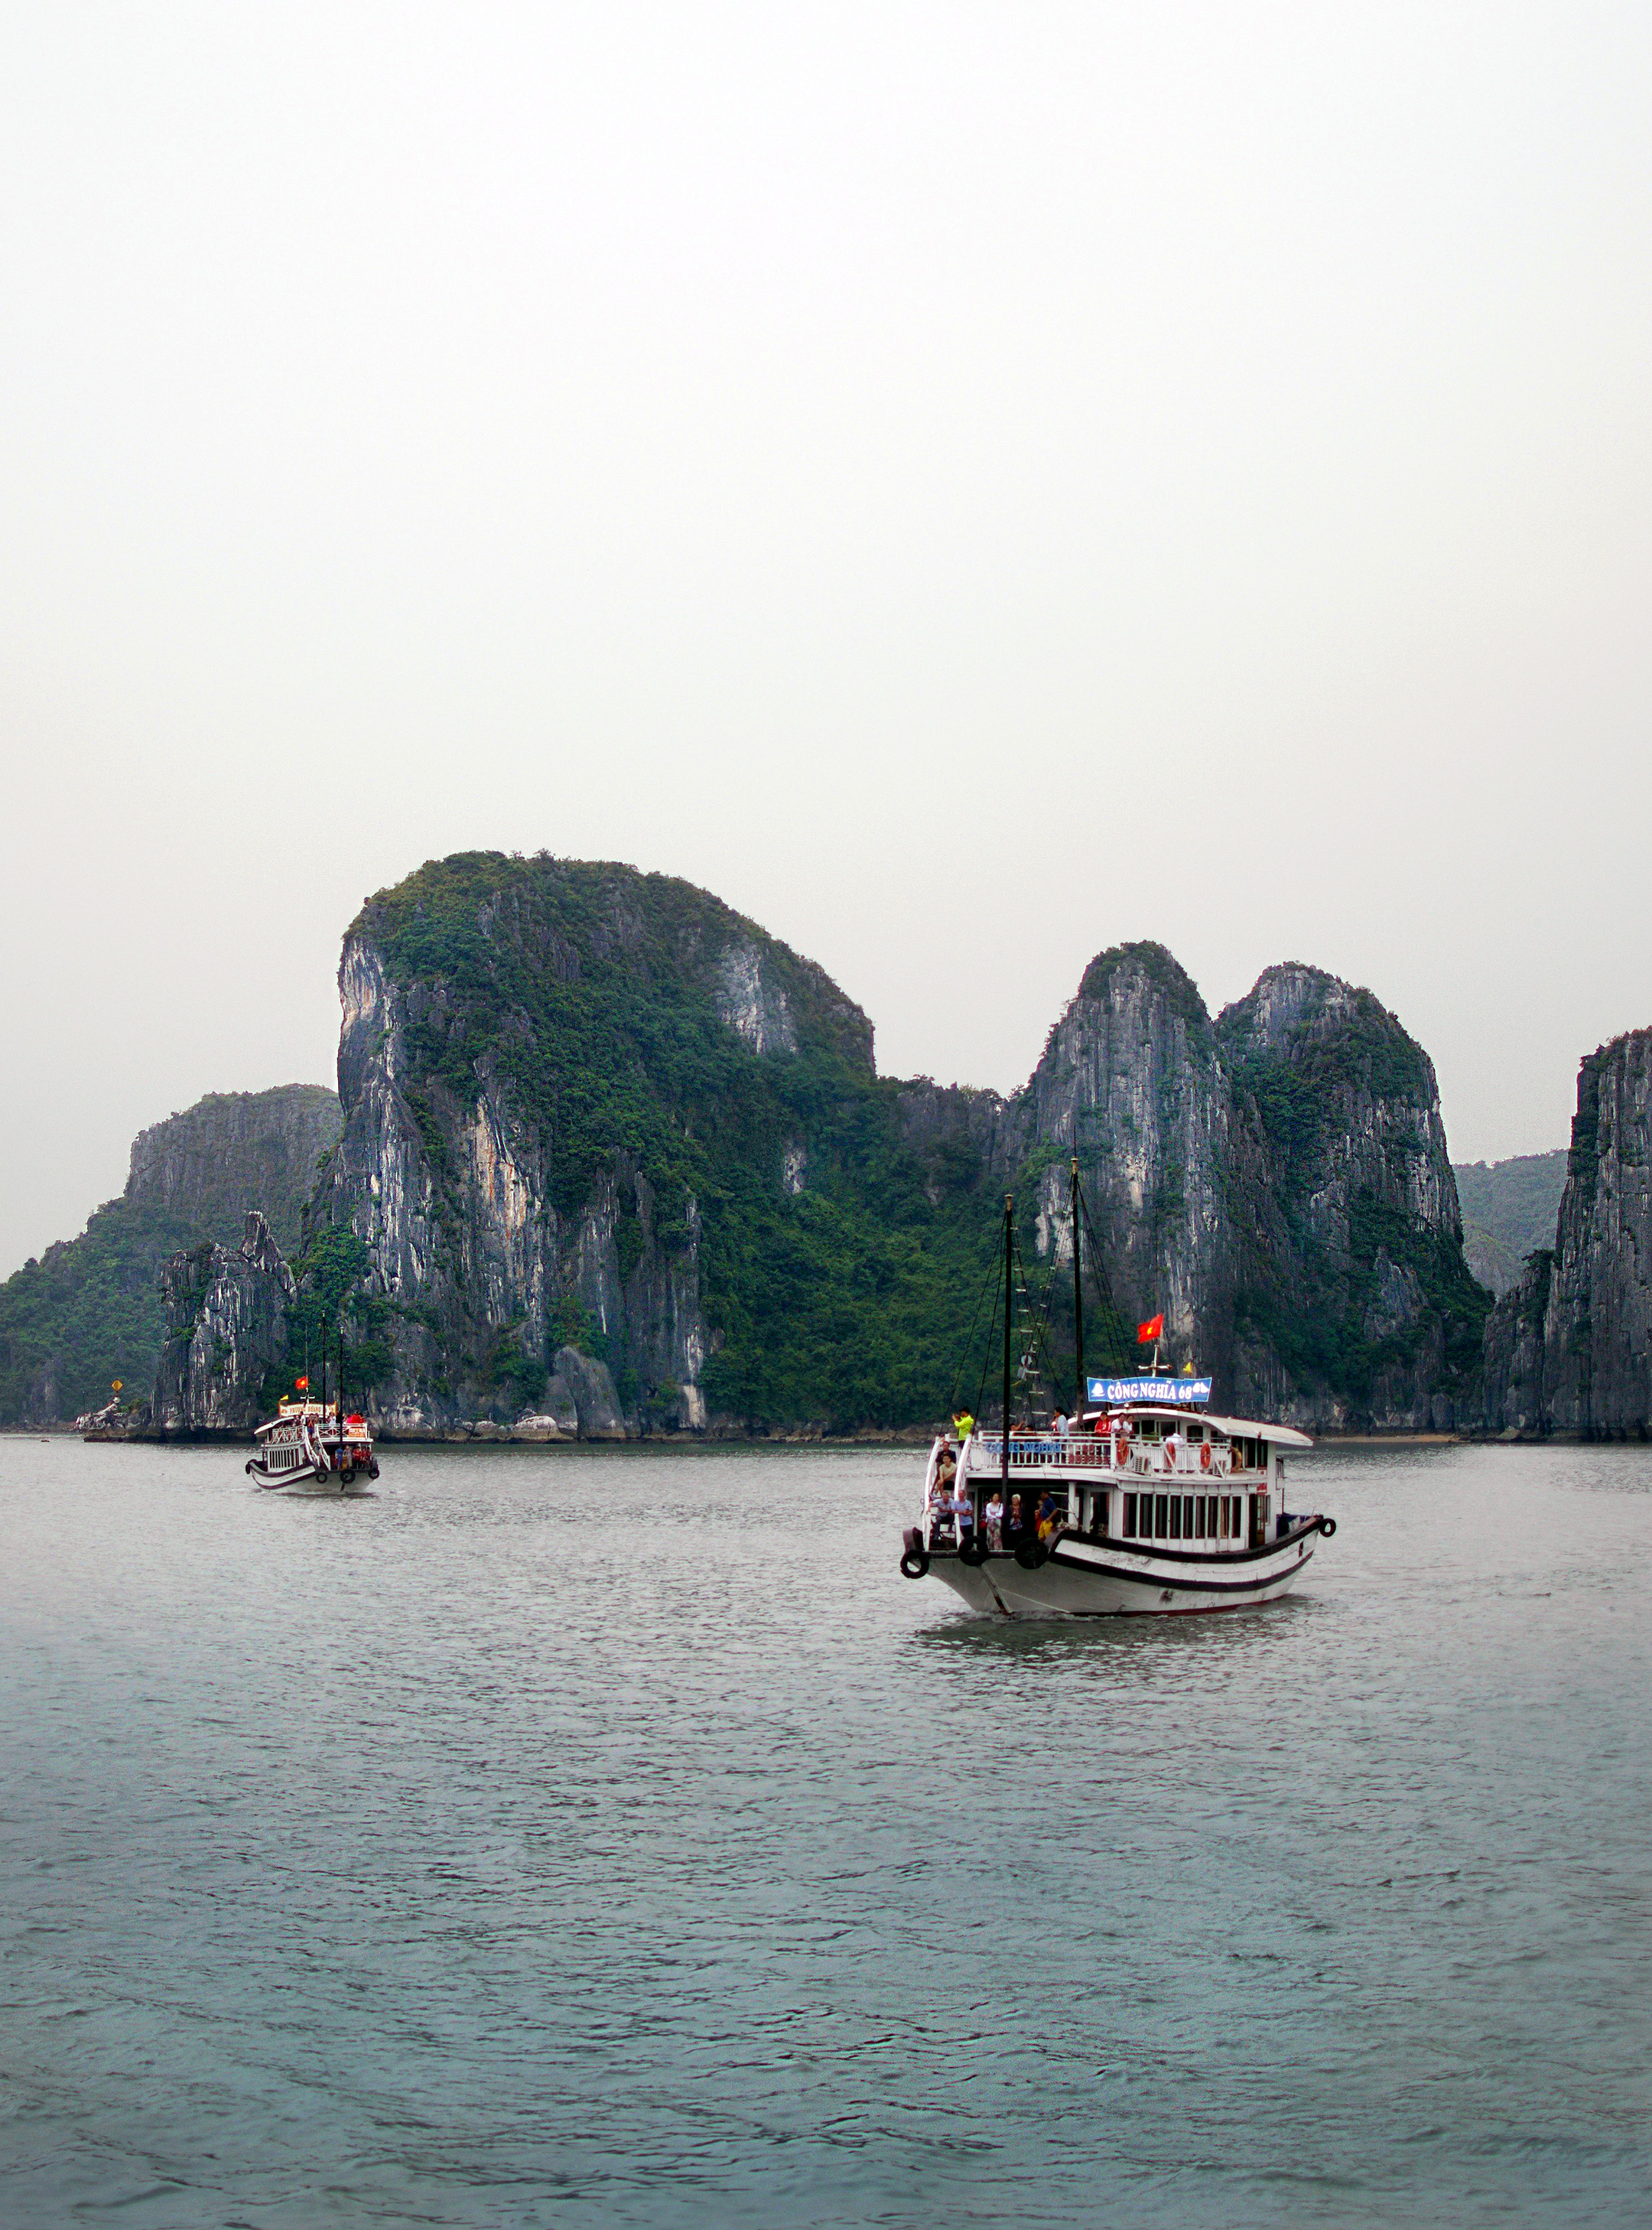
90, 1310
597, 1127
595, 1114
1275, 1179
1570, 1348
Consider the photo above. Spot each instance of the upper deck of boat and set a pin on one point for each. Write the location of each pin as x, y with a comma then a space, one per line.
1142, 1438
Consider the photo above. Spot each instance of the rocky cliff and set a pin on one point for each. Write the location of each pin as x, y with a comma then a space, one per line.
1570, 1348
1275, 1179
594, 1114
234, 1150
226, 1333
90, 1310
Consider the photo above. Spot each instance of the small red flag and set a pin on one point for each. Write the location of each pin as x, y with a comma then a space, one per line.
300, 1386
1153, 1328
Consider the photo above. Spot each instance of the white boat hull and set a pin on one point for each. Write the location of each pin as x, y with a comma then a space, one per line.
1084, 1578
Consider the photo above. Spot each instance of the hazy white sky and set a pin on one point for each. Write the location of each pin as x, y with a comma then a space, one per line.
966, 484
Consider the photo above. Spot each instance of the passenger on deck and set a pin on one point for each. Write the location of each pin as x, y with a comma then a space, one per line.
963, 1425
963, 1515
940, 1502
1062, 1425
994, 1515
1172, 1449
1049, 1519
1017, 1520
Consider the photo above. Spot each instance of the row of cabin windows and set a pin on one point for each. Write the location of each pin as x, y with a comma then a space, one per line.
1183, 1517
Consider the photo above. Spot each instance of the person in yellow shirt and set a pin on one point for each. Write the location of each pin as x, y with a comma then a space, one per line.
963, 1425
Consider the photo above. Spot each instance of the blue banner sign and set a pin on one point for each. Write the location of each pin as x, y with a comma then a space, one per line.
1183, 1391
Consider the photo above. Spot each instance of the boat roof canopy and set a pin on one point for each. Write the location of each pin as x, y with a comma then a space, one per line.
1237, 1429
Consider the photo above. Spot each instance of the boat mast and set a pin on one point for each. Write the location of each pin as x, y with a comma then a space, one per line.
1078, 1299
1009, 1279
323, 1364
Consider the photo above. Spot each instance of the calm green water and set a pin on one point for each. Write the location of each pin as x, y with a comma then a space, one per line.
615, 1838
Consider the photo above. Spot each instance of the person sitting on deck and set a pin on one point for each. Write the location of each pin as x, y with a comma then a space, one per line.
994, 1515
941, 1503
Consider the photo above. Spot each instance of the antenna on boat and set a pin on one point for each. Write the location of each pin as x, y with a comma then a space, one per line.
1009, 1284
1078, 1300
323, 1360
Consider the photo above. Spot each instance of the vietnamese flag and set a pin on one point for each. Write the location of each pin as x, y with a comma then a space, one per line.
1153, 1328
300, 1386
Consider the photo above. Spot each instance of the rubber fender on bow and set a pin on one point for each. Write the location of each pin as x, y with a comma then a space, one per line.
915, 1557
973, 1551
1327, 1526
1031, 1555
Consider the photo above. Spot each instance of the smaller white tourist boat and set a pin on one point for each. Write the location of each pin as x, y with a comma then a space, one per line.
310, 1448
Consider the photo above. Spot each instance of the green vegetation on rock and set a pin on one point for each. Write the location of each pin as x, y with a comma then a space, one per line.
89, 1312
1510, 1209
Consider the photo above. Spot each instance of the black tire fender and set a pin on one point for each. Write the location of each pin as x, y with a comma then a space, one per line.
1327, 1526
973, 1552
1030, 1556
915, 1557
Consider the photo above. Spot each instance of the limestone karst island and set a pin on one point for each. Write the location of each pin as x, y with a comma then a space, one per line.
605, 1160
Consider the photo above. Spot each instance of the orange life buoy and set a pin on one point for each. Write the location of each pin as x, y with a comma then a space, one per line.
1205, 1457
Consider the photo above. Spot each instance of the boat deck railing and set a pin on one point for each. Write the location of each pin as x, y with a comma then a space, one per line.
1082, 1451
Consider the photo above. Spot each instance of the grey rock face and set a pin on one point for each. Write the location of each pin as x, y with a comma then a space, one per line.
226, 1327
236, 1149
1514, 1391
754, 1006
1265, 1179
1589, 1307
492, 1255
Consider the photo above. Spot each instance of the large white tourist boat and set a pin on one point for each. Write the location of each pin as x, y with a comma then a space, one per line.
1143, 1502
308, 1447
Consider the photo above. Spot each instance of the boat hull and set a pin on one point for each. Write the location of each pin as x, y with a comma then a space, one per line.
1081, 1578
309, 1481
